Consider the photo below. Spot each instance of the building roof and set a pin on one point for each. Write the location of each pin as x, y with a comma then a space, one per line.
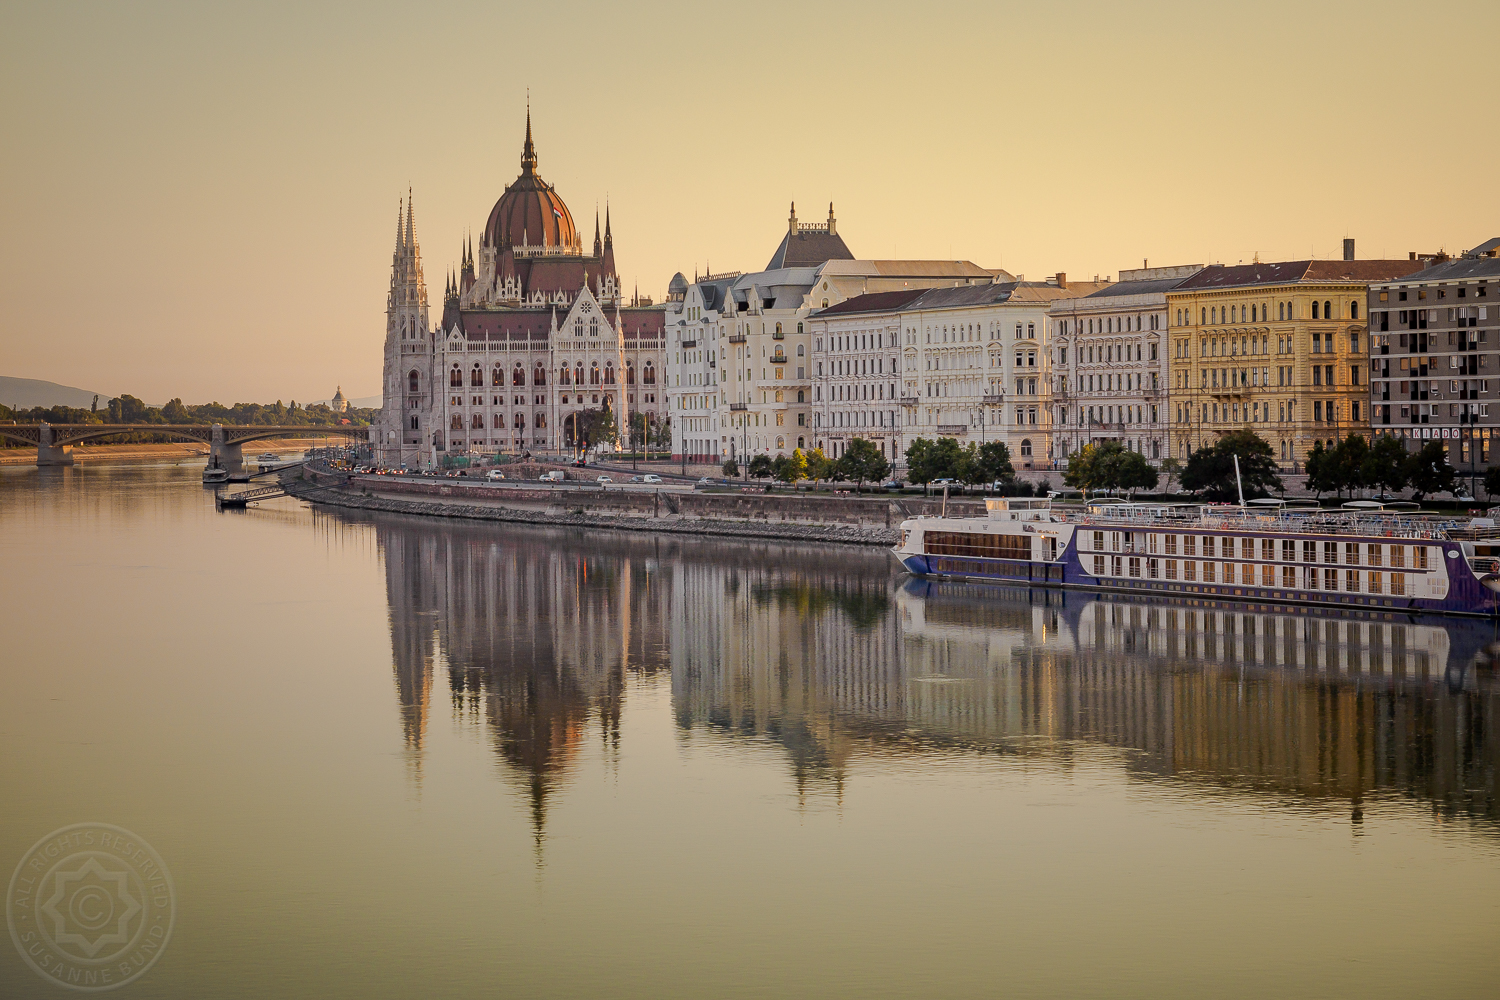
873, 302
1459, 269
907, 268
1156, 287
960, 296
530, 211
1295, 271
1489, 246
809, 248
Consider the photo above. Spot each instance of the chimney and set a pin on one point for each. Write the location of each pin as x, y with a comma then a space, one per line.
791, 224
1413, 255
1062, 279
1146, 264
1348, 249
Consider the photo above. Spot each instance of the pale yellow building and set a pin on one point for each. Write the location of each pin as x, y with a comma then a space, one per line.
1279, 348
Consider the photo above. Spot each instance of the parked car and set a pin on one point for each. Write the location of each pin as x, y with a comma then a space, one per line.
649, 478
494, 475
602, 480
894, 484
580, 463
705, 481
1385, 497
555, 476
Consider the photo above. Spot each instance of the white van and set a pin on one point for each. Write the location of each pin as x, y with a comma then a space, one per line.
650, 479
555, 476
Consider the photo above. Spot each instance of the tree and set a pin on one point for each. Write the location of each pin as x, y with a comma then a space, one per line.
928, 460
1129, 470
1349, 457
731, 469
1171, 468
1211, 469
175, 413
989, 463
1492, 481
1092, 467
819, 467
1428, 471
863, 462
1321, 477
1385, 464
760, 467
793, 468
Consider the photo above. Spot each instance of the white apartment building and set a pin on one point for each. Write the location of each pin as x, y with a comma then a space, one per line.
749, 340
1110, 363
967, 362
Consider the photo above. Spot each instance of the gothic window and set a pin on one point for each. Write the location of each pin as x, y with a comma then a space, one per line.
520, 421
565, 375
594, 373
477, 422
456, 378
648, 375
476, 377
518, 375
578, 328
578, 373
457, 422
541, 420
594, 326
497, 377
413, 382
539, 377
414, 425
609, 373
630, 373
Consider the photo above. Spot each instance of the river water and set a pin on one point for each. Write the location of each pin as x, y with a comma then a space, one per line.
389, 757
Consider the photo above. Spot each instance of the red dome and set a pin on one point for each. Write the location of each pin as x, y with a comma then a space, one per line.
530, 211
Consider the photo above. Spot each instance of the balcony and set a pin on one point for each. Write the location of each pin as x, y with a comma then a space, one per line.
908, 400
689, 344
736, 407
953, 430
778, 335
737, 338
990, 401
778, 359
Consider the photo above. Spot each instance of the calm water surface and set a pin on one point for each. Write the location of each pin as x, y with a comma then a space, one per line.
384, 757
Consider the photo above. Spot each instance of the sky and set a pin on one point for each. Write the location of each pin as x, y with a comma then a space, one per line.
199, 199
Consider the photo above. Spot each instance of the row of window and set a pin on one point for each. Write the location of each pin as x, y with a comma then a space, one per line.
1349, 581
518, 375
1266, 549
1261, 313
1260, 413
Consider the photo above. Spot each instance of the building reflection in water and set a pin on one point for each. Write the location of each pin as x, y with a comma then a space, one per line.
827, 654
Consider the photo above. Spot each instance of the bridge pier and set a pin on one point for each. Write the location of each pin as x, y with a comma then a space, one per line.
225, 455
48, 453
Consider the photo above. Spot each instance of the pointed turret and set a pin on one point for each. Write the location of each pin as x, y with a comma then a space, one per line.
608, 239
528, 151
833, 225
598, 249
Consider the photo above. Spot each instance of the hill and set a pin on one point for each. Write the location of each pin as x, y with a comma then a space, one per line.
24, 393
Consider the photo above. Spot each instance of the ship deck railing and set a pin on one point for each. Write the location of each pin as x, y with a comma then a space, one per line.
1290, 522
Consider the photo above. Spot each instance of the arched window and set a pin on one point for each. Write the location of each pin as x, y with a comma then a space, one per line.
779, 396
1315, 308
541, 420
520, 421
539, 377
578, 373
781, 442
565, 375
799, 327
415, 424
1327, 310
778, 329
801, 442
497, 377
457, 422
476, 422
630, 373
648, 375
594, 373
799, 396
1204, 318
1354, 310
476, 377
578, 328
594, 326
518, 375
609, 373
1026, 447
456, 378
413, 381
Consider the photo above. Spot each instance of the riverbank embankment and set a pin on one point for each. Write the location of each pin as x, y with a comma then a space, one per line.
848, 520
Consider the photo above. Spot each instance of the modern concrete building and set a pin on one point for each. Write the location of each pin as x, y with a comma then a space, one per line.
1109, 363
1279, 348
1435, 356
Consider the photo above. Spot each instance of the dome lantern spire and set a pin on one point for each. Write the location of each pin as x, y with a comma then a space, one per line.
528, 152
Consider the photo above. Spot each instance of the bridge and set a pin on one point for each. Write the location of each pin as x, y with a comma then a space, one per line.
54, 442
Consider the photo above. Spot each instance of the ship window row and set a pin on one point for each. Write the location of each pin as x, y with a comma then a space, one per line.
1264, 549
1351, 581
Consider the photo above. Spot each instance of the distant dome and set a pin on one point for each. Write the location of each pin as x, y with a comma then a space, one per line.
530, 211
677, 287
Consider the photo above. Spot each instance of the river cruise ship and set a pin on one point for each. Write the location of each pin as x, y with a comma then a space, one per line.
1363, 557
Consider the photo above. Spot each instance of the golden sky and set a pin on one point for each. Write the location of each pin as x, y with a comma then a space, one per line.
199, 199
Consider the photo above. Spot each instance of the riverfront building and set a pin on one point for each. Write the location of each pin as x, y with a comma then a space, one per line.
1434, 370
535, 333
1279, 348
1110, 369
968, 362
738, 346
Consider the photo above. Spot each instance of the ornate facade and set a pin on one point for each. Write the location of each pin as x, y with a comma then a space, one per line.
535, 331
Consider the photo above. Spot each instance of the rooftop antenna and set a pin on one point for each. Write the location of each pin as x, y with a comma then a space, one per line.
1237, 485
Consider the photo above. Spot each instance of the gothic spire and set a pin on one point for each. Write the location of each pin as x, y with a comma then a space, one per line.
608, 240
398, 225
528, 152
411, 240
597, 249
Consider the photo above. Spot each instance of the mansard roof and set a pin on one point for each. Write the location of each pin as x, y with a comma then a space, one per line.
1297, 271
809, 248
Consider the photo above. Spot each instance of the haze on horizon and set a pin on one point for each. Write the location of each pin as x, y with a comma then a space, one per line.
200, 199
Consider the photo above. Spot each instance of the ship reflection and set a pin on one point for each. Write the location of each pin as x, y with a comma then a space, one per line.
827, 656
